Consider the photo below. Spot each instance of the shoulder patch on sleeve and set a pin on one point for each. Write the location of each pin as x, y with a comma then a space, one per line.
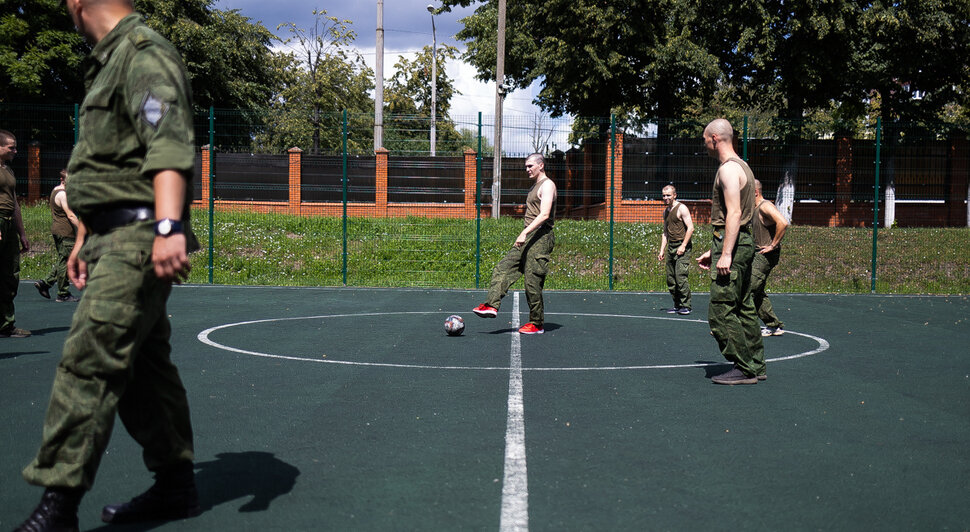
153, 110
139, 38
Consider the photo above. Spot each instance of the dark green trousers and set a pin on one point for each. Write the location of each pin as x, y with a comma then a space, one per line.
678, 274
731, 314
58, 274
760, 268
530, 261
115, 360
9, 270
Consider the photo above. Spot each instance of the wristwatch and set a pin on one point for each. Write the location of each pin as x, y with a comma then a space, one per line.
168, 227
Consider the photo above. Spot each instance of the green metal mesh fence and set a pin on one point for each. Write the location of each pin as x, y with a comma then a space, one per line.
343, 214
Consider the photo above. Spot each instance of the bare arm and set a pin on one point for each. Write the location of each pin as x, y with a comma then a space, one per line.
19, 221
169, 254
684, 214
730, 179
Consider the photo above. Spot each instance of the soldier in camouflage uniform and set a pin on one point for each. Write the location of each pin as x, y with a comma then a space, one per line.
64, 230
530, 253
130, 172
731, 314
13, 238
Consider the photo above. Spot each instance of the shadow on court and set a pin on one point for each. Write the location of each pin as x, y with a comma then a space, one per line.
334, 409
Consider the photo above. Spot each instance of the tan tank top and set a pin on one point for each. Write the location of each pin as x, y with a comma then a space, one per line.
675, 228
719, 210
60, 225
533, 203
8, 189
762, 234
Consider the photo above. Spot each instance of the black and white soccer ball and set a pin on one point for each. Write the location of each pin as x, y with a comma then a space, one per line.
454, 325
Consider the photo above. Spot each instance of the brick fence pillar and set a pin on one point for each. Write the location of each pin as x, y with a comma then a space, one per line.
471, 177
616, 182
204, 178
380, 182
295, 180
33, 172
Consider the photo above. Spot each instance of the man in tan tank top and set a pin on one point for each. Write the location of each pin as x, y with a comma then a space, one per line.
531, 252
731, 314
64, 230
675, 246
769, 228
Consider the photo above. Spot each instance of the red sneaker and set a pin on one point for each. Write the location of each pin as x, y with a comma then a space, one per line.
485, 311
529, 328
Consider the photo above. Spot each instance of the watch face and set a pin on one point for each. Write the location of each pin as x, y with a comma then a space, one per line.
164, 227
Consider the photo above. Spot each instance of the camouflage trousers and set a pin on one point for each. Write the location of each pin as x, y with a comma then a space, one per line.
58, 274
116, 359
731, 314
9, 269
530, 261
678, 274
760, 268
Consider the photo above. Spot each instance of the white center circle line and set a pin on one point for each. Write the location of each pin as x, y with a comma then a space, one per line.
204, 337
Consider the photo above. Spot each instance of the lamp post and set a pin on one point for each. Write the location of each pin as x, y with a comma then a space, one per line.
434, 78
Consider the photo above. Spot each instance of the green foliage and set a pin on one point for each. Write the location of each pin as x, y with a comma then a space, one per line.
40, 53
324, 77
407, 104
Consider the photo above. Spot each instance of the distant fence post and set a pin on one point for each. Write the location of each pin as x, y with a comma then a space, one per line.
959, 183
295, 180
380, 182
33, 172
843, 180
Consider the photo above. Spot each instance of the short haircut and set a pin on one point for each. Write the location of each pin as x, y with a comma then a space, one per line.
6, 136
63, 174
672, 188
537, 157
720, 127
757, 186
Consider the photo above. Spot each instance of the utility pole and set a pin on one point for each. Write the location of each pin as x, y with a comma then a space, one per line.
379, 83
499, 96
434, 79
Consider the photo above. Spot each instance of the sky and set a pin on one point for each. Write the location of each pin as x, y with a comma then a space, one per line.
407, 28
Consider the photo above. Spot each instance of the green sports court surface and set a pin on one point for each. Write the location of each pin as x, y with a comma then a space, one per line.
350, 409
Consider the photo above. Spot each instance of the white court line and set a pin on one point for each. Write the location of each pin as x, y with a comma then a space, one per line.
515, 485
203, 337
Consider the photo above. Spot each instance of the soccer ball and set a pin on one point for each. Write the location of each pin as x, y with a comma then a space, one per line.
454, 325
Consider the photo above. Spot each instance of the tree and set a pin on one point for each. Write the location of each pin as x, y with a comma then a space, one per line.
228, 57
407, 103
327, 78
40, 53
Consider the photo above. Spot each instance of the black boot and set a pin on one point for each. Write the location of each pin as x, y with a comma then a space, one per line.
173, 496
57, 512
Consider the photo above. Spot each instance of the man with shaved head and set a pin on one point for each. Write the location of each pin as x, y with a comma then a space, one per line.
130, 172
731, 313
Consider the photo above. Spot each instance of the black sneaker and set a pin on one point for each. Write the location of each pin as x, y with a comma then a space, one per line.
57, 512
43, 288
683, 311
671, 310
67, 299
735, 376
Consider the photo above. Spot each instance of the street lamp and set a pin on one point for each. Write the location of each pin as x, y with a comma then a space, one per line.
434, 78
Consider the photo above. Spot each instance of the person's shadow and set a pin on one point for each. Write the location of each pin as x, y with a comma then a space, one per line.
232, 476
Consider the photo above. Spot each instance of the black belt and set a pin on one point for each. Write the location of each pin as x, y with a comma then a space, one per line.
719, 230
105, 221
